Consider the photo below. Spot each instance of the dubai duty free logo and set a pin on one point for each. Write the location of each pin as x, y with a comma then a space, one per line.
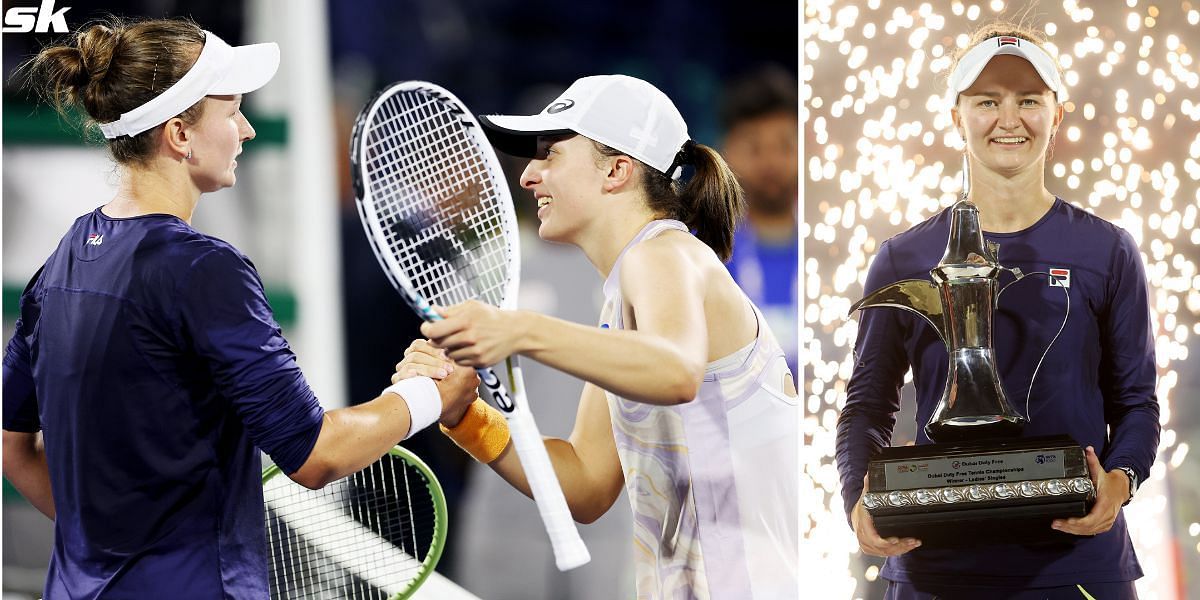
39, 19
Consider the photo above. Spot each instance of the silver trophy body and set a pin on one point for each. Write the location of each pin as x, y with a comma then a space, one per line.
960, 305
979, 475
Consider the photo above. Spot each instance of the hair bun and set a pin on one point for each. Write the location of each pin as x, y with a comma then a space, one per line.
112, 66
97, 45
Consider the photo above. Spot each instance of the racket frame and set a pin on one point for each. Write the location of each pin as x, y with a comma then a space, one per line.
441, 525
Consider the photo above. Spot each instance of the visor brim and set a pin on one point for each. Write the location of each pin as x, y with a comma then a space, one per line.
252, 67
1050, 78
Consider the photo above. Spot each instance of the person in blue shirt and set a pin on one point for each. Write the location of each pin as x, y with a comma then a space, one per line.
147, 371
758, 115
1098, 380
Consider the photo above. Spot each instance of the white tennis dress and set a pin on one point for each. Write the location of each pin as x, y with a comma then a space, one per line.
713, 483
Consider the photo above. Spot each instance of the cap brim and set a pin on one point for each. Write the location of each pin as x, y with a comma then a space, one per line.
252, 67
517, 135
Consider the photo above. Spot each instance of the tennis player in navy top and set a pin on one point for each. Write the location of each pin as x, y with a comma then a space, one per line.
147, 371
1097, 383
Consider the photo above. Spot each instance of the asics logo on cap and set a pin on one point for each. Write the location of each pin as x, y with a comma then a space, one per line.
558, 107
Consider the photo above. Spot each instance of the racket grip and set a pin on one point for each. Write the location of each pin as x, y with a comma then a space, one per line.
569, 549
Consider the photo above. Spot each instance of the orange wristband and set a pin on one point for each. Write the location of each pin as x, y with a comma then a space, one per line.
482, 432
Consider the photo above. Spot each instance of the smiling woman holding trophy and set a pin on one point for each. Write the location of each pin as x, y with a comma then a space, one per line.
1025, 321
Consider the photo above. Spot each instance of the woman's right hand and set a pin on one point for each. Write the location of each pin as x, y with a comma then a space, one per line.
868, 538
457, 385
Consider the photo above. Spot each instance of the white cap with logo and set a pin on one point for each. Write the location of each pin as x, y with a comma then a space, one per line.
220, 70
974, 61
622, 112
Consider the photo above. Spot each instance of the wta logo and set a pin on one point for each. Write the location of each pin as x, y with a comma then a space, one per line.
43, 19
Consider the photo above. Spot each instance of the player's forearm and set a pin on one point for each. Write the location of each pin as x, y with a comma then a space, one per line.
634, 365
1134, 436
864, 426
587, 498
26, 468
352, 438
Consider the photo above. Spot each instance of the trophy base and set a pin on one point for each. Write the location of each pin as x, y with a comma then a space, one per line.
984, 491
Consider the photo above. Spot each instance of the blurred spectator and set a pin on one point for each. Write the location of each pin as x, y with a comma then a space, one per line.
758, 115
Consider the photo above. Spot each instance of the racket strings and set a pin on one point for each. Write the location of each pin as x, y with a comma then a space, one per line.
442, 217
365, 536
454, 207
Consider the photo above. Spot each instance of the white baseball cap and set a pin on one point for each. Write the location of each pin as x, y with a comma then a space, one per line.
622, 112
220, 70
974, 61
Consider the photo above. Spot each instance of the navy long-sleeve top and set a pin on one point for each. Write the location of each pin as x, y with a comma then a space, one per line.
1097, 383
148, 357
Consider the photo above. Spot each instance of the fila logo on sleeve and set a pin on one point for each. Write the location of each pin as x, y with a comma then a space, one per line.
1060, 277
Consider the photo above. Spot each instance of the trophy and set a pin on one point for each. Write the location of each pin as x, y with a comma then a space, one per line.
978, 481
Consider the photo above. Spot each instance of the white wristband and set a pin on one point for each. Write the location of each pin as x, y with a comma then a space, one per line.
423, 399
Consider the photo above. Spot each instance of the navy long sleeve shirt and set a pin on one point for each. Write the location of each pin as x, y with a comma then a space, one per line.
148, 357
1097, 383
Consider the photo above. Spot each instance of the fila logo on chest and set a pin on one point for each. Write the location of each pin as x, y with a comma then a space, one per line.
1060, 277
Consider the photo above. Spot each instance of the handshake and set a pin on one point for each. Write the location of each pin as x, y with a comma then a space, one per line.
457, 385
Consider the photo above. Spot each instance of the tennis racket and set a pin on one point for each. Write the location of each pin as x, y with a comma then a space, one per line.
437, 212
375, 534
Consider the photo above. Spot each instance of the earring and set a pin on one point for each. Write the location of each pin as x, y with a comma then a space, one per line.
1050, 152
189, 155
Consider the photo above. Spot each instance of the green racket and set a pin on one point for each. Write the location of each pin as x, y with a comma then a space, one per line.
376, 534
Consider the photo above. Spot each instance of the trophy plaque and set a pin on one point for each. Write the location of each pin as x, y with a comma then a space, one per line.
979, 481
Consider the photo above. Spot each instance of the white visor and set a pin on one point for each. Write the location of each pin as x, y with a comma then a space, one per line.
622, 112
974, 61
220, 70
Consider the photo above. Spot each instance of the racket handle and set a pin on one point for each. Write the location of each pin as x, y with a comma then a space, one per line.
569, 549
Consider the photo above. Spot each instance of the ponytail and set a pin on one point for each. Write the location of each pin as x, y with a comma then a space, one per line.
711, 202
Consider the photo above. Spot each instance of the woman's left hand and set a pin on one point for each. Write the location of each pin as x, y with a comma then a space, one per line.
475, 334
1112, 490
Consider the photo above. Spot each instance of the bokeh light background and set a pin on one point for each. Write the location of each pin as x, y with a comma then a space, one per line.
881, 155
